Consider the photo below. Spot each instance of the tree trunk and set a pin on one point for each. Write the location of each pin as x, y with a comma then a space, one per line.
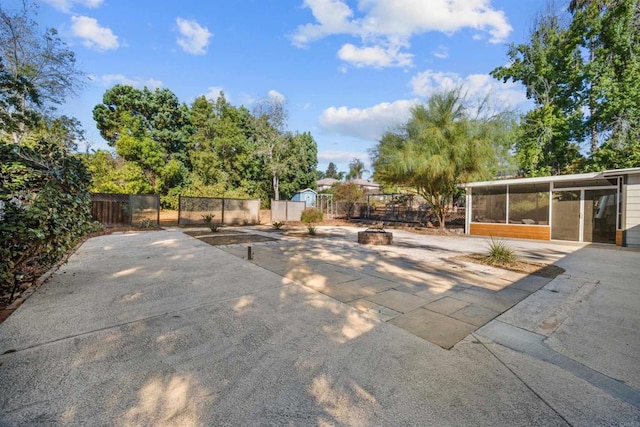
276, 187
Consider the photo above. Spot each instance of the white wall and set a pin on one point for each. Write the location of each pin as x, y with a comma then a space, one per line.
632, 214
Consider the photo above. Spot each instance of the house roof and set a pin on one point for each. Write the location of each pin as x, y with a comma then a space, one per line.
305, 190
555, 178
365, 183
326, 181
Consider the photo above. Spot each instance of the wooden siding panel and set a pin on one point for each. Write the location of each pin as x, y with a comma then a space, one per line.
632, 214
537, 232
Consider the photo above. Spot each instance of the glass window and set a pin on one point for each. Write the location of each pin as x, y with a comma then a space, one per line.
489, 204
529, 204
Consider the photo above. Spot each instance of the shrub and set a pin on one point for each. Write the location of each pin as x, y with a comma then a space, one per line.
144, 223
45, 206
208, 220
311, 216
500, 253
278, 225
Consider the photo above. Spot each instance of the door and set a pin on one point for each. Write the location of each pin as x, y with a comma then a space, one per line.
565, 215
599, 223
584, 215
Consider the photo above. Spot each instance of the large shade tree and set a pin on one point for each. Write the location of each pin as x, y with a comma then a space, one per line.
149, 129
440, 146
582, 70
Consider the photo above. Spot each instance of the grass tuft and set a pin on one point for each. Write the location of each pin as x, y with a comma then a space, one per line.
500, 253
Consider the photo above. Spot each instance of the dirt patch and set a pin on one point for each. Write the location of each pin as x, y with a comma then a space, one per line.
527, 267
234, 239
198, 233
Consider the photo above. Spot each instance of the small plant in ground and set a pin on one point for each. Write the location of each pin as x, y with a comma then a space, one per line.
208, 220
278, 225
311, 217
144, 223
500, 253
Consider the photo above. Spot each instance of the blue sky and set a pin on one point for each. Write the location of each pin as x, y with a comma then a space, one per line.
347, 69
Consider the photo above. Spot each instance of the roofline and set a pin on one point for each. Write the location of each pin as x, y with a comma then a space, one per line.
555, 178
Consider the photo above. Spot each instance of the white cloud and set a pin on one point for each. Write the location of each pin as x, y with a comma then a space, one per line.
386, 26
476, 87
441, 52
332, 17
341, 156
374, 56
93, 35
214, 92
194, 38
277, 96
114, 79
66, 5
367, 123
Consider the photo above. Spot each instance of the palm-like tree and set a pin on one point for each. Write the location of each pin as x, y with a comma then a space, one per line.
356, 169
439, 147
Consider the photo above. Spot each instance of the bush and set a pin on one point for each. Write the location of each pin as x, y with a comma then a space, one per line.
45, 206
311, 216
208, 220
278, 225
500, 253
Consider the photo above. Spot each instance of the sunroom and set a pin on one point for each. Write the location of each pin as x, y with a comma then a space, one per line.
599, 207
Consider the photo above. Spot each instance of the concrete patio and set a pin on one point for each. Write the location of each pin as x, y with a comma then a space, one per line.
159, 328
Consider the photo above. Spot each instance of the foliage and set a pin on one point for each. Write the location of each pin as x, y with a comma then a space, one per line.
46, 206
14, 115
210, 149
149, 129
356, 169
277, 225
332, 172
311, 217
583, 74
144, 223
348, 193
500, 253
439, 147
208, 220
301, 161
39, 59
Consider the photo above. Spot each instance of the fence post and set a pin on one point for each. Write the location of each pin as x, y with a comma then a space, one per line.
179, 207
223, 210
158, 208
130, 209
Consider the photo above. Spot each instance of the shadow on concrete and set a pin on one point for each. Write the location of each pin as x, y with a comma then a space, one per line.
181, 333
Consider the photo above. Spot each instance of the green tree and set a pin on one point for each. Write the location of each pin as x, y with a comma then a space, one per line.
302, 156
547, 144
349, 194
439, 147
271, 117
583, 74
150, 129
356, 169
14, 115
332, 172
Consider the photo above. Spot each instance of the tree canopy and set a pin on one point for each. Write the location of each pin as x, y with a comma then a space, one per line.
210, 148
582, 70
440, 146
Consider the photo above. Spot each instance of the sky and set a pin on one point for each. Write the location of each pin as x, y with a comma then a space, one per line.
348, 69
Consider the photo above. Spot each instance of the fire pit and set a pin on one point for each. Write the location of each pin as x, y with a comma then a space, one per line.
375, 236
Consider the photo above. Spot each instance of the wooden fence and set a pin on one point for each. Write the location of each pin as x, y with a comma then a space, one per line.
125, 209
